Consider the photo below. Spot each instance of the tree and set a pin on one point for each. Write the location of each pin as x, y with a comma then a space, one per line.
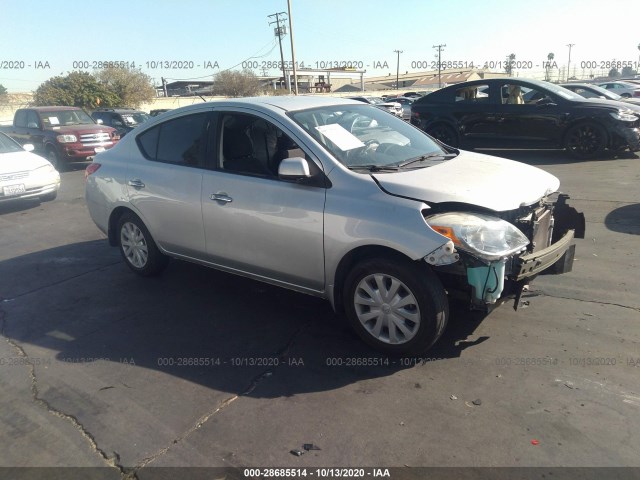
77, 89
130, 85
628, 72
508, 64
3, 90
547, 75
614, 73
233, 83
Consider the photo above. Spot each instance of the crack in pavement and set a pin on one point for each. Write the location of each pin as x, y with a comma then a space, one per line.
253, 384
540, 293
43, 287
111, 461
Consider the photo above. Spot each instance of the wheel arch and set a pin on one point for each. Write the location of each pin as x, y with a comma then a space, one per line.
353, 257
112, 230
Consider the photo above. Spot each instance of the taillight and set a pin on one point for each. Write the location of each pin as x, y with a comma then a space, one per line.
91, 168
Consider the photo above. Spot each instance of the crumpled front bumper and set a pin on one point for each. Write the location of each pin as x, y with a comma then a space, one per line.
534, 263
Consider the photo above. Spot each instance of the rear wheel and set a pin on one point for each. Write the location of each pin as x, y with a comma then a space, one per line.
445, 134
395, 306
585, 140
140, 252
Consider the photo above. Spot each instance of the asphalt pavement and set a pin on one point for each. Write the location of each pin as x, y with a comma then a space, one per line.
198, 368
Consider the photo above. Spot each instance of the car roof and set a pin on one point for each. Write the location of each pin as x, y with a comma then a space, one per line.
282, 103
51, 109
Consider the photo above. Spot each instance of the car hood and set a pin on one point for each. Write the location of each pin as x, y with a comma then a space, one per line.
472, 178
620, 104
20, 162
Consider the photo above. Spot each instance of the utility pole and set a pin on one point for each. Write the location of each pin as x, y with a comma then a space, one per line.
440, 48
293, 51
164, 86
279, 32
398, 69
570, 45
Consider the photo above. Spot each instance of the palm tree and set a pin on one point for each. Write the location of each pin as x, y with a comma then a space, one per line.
547, 75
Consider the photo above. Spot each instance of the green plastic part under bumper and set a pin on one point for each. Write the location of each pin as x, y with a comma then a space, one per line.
536, 262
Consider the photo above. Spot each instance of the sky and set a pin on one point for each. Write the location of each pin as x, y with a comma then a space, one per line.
194, 39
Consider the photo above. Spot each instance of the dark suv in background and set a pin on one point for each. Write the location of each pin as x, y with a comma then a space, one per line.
122, 119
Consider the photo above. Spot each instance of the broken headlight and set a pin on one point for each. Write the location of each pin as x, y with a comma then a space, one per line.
486, 237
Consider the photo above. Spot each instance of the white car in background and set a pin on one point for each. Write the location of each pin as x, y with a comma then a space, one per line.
624, 89
24, 174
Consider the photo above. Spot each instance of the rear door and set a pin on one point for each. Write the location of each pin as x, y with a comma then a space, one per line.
164, 182
253, 221
474, 111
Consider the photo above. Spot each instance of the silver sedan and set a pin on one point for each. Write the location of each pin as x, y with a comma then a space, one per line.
332, 198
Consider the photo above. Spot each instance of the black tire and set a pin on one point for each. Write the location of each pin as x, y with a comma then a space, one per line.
429, 304
54, 159
585, 140
49, 197
132, 230
626, 95
445, 134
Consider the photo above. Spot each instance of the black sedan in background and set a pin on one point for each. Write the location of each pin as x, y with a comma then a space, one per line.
516, 113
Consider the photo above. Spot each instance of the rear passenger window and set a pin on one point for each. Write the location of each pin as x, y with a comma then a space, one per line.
180, 141
148, 143
473, 94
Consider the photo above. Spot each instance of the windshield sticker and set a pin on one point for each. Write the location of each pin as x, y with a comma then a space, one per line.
54, 121
339, 135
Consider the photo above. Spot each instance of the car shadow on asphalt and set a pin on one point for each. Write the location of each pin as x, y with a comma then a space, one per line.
81, 303
625, 219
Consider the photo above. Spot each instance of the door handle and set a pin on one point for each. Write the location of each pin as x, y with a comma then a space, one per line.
135, 183
221, 197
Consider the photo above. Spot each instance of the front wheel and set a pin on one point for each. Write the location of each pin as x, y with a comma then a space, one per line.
585, 140
398, 307
140, 252
54, 159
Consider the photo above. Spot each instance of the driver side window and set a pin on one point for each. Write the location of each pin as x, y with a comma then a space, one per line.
250, 145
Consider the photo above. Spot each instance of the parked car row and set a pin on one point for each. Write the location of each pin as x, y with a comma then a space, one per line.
334, 198
392, 107
517, 113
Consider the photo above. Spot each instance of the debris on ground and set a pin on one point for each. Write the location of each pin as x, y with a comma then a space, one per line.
295, 452
310, 446
477, 402
453, 397
535, 442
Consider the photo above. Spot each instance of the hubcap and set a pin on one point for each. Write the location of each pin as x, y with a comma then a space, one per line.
134, 245
386, 308
585, 140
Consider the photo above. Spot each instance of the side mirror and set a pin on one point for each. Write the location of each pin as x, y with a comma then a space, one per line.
28, 147
295, 168
99, 121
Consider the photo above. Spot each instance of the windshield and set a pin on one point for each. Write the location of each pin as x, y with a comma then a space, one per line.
135, 118
363, 135
7, 145
65, 117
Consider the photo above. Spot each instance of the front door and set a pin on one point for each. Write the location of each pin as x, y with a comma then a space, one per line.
253, 221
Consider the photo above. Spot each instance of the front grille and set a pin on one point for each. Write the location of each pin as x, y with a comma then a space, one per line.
13, 176
91, 139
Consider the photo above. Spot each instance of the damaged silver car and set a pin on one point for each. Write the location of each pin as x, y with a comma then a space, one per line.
335, 199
